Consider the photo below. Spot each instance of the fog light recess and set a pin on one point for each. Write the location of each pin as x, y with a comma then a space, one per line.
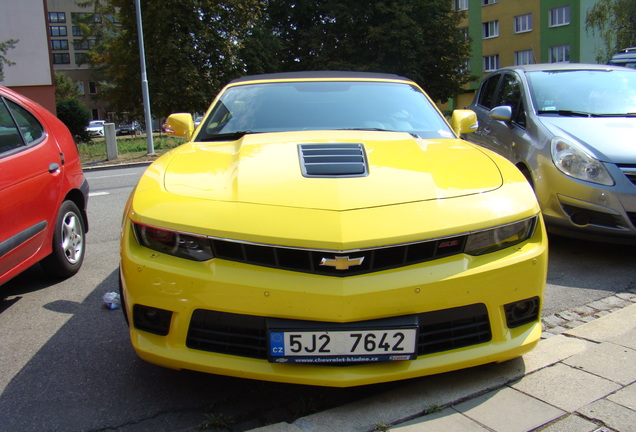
152, 320
522, 312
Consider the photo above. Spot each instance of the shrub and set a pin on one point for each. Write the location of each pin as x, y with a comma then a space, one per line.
75, 116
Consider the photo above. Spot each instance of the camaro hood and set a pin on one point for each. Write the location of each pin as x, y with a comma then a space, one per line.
268, 169
611, 139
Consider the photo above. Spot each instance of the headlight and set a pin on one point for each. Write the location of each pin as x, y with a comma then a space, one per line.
574, 161
503, 236
179, 244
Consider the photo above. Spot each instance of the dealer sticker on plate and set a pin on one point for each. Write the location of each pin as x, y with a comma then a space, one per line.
342, 346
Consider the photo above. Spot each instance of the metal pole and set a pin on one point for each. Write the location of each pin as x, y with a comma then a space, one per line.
144, 81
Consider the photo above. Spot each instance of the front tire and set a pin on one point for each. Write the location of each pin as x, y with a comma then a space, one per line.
69, 245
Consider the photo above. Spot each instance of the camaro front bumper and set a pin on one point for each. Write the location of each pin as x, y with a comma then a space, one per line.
212, 316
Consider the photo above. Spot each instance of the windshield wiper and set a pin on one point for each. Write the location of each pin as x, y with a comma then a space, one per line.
230, 136
413, 134
616, 115
567, 113
368, 129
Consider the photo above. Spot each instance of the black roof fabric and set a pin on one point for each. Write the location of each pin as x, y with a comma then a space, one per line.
318, 74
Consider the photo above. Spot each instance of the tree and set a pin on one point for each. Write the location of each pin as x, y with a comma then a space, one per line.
65, 88
415, 38
4, 47
69, 108
191, 49
615, 20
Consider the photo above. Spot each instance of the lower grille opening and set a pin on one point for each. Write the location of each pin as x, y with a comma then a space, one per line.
580, 216
246, 336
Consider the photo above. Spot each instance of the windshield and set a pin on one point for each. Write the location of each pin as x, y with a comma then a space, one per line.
593, 92
323, 105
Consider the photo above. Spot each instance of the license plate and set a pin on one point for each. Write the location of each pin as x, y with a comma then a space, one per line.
342, 346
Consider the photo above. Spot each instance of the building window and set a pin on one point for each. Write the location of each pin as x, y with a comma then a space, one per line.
57, 31
95, 113
80, 86
491, 29
57, 17
461, 5
464, 32
560, 54
523, 23
84, 44
83, 17
524, 57
92, 87
59, 44
560, 16
61, 58
487, 2
491, 63
77, 31
81, 58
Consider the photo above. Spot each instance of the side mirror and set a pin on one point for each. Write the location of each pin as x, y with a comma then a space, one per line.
464, 121
501, 113
181, 125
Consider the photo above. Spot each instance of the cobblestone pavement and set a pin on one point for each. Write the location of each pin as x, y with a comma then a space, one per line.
563, 321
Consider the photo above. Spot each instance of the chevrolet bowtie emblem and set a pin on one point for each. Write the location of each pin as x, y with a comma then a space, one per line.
341, 262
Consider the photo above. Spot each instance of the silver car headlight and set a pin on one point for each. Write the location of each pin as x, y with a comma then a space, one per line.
576, 162
500, 237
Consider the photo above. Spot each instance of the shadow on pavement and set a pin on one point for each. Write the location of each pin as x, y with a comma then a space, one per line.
88, 378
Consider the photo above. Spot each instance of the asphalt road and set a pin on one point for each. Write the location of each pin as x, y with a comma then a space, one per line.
66, 363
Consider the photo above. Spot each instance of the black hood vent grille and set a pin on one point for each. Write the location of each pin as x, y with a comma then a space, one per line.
333, 160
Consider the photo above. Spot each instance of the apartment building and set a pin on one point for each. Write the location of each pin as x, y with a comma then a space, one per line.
30, 73
514, 32
69, 50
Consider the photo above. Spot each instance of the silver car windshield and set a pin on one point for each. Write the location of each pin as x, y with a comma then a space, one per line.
589, 93
325, 105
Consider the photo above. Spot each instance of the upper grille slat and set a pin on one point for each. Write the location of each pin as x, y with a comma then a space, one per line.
309, 261
333, 160
630, 172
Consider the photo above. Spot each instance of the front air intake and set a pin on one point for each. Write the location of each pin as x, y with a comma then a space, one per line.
333, 160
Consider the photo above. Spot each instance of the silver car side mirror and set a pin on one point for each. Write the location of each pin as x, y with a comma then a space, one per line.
502, 113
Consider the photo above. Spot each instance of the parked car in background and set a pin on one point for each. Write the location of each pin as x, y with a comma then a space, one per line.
197, 121
95, 128
570, 129
129, 128
625, 57
42, 190
330, 228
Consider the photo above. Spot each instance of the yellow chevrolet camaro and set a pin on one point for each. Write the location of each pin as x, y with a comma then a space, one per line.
331, 228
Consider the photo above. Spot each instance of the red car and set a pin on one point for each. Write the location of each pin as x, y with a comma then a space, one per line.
42, 190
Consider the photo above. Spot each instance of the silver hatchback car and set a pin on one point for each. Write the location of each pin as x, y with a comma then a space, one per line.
571, 129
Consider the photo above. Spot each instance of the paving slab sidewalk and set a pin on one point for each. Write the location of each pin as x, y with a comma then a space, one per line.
580, 380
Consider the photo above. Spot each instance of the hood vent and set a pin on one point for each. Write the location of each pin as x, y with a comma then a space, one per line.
333, 160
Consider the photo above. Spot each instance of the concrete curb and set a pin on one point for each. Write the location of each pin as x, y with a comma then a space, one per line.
106, 165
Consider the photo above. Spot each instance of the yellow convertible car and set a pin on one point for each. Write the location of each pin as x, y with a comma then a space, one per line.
330, 228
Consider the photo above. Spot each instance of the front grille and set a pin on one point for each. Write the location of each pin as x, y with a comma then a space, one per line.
630, 172
246, 336
450, 329
331, 263
632, 217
